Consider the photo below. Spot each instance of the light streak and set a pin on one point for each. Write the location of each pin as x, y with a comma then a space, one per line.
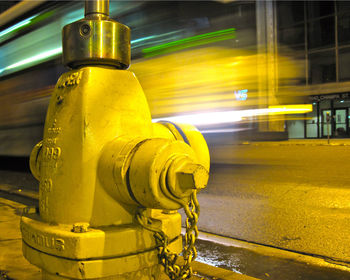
193, 41
17, 26
39, 57
212, 118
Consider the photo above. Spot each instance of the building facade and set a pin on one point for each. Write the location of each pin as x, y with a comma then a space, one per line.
317, 33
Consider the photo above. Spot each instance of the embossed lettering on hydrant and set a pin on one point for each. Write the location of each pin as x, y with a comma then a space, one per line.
51, 153
70, 80
41, 239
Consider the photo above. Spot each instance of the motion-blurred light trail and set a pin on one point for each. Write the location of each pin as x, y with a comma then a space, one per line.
236, 116
17, 26
43, 55
193, 41
35, 58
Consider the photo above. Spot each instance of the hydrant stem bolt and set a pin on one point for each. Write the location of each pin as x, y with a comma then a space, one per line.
97, 7
80, 227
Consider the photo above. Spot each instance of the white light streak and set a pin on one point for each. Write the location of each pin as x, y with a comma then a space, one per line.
35, 58
141, 39
212, 118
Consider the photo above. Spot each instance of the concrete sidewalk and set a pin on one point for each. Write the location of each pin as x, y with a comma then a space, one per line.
13, 266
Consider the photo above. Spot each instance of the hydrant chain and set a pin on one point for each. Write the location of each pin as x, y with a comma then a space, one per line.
167, 258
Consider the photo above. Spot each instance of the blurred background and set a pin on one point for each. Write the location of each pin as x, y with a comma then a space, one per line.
266, 82
220, 62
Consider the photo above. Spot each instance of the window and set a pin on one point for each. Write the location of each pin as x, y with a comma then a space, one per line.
291, 12
319, 8
344, 28
311, 122
344, 62
322, 67
292, 36
343, 6
321, 33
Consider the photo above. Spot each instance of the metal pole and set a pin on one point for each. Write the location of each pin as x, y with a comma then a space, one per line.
96, 7
328, 120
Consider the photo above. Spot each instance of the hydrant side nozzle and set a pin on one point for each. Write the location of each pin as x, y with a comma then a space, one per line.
157, 160
188, 134
113, 167
154, 173
35, 160
133, 168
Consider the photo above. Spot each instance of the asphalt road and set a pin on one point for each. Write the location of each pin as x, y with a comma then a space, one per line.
289, 195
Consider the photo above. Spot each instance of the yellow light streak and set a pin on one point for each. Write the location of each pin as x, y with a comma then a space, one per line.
212, 118
290, 109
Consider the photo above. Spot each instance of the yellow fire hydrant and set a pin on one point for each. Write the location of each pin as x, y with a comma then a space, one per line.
110, 179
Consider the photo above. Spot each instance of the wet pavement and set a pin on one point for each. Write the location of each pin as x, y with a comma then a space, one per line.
265, 267
293, 195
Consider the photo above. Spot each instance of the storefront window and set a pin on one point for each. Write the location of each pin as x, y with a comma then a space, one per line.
341, 104
337, 107
296, 127
341, 108
311, 122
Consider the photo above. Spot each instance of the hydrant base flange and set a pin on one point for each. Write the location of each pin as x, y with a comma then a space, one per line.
139, 266
99, 252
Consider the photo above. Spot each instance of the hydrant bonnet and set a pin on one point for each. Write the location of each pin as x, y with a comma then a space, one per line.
96, 39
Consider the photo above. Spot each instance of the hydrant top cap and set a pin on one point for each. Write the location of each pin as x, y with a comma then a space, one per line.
96, 39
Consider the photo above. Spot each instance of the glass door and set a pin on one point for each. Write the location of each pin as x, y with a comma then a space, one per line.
340, 118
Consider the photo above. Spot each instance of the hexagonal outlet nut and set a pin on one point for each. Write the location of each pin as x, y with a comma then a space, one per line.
192, 176
185, 176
